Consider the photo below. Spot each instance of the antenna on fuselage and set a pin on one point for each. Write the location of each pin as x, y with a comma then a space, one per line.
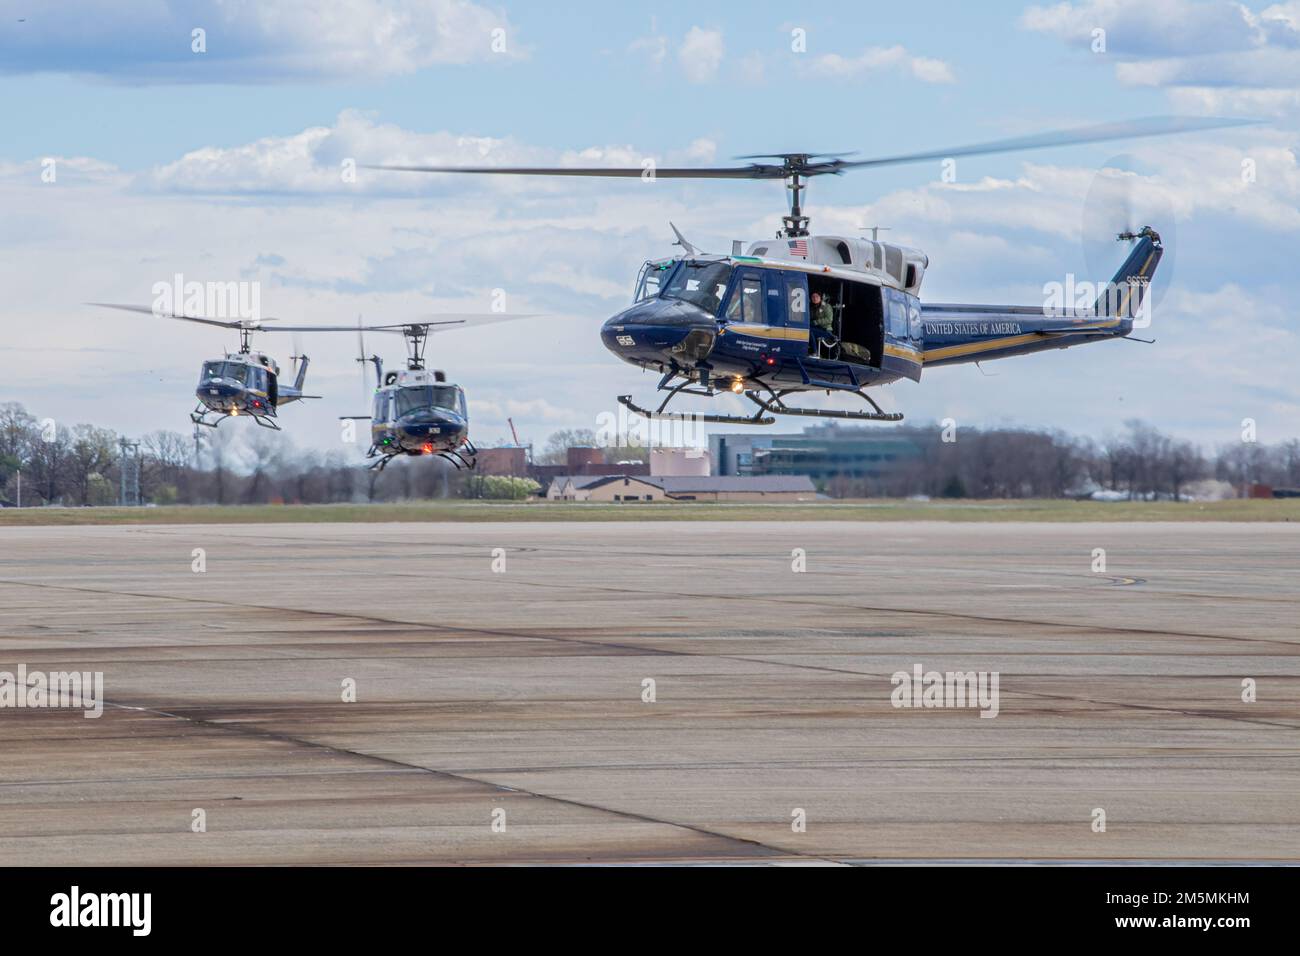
682, 241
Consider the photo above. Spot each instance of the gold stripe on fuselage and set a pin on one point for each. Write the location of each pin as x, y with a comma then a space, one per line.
765, 331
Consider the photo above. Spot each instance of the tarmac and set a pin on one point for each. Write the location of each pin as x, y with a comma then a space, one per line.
480, 693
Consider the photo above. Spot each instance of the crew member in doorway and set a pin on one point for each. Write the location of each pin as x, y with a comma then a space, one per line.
823, 322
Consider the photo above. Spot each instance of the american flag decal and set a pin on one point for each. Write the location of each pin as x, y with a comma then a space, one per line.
799, 247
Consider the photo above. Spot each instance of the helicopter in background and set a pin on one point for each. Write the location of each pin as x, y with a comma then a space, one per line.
240, 383
416, 411
840, 314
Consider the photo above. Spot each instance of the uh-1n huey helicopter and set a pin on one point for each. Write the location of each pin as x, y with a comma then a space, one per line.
416, 411
839, 314
246, 382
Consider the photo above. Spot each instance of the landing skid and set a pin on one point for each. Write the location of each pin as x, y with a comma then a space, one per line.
660, 415
467, 461
200, 417
767, 407
777, 405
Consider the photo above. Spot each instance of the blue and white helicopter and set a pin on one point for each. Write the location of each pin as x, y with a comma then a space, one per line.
839, 314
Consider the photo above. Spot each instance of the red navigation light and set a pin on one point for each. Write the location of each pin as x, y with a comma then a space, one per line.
428, 448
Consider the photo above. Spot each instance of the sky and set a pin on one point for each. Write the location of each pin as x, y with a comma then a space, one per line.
136, 149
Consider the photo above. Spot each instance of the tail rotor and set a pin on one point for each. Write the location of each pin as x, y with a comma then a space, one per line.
1124, 204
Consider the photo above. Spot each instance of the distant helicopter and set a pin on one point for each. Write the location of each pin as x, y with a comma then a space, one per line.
241, 383
838, 314
415, 411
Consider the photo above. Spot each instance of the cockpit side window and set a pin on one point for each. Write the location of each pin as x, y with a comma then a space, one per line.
746, 303
699, 283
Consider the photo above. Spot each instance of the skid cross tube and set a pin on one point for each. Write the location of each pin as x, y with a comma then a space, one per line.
757, 419
777, 405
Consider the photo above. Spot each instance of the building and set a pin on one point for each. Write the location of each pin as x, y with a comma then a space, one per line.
621, 488
680, 461
787, 488
822, 452
511, 461
604, 488
580, 461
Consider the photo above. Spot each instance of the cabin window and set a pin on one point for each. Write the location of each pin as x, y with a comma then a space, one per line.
746, 303
897, 316
894, 262
700, 283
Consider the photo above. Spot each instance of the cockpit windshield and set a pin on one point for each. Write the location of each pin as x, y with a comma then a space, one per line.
227, 371
700, 283
414, 397
652, 278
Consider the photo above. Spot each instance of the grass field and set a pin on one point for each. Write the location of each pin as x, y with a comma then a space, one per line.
470, 511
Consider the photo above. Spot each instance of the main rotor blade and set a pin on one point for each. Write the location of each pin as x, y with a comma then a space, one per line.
821, 164
223, 323
753, 171
425, 322
1125, 129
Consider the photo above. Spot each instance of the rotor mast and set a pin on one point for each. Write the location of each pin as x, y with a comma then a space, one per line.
796, 223
417, 337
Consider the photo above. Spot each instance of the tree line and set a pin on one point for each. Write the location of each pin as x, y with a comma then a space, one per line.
81, 464
1139, 461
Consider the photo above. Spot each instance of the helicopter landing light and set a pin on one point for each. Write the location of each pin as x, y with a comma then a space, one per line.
428, 448
738, 385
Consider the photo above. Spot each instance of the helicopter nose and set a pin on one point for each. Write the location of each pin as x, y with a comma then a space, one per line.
219, 394
423, 427
649, 331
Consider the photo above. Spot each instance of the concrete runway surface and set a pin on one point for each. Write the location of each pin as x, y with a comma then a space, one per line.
515, 696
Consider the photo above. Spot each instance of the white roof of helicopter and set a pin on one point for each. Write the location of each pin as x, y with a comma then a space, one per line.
419, 376
254, 358
882, 262
848, 257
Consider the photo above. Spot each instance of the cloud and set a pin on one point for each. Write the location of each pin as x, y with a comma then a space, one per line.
320, 160
1216, 55
290, 40
653, 46
878, 59
701, 54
